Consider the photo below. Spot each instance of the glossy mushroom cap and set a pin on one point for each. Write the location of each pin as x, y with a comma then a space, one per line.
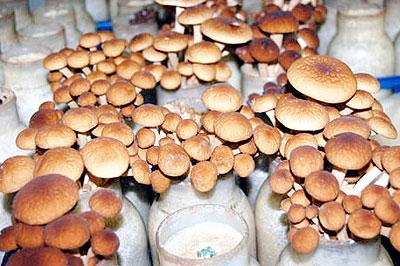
203, 53
304, 160
15, 172
106, 203
364, 224
371, 194
281, 181
105, 243
305, 240
267, 139
222, 157
279, 22
366, 82
173, 160
170, 42
264, 50
140, 42
148, 115
44, 199
233, 127
225, 30
323, 78
347, 124
204, 176
222, 98
332, 216
322, 186
44, 256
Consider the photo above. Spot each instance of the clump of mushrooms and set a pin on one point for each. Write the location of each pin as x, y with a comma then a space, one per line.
333, 173
47, 231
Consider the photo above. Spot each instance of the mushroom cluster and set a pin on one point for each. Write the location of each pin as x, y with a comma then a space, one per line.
46, 230
283, 32
338, 182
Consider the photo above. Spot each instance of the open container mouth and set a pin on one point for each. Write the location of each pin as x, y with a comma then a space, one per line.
24, 55
194, 215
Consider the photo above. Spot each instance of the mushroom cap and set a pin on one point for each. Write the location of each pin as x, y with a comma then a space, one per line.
105, 157
243, 53
185, 69
43, 256
78, 59
63, 161
141, 171
203, 53
44, 199
159, 182
106, 203
301, 139
287, 58
301, 115
205, 72
371, 194
222, 97
222, 157
366, 82
361, 100
7, 239
309, 36
332, 216
170, 80
114, 47
198, 148
387, 210
15, 172
296, 213
170, 42
87, 99
118, 131
348, 151
145, 138
302, 12
395, 236
281, 181
391, 158
156, 70
127, 68
171, 122
140, 42
323, 78
300, 197
180, 3
264, 50
305, 240
344, 124
89, 40
382, 127
267, 139
148, 115
95, 221
26, 139
186, 129
244, 165
279, 22
152, 55
223, 72
121, 93
204, 176
364, 224
322, 186
105, 243
232, 127
304, 160
351, 203
55, 136
67, 232
173, 160
195, 15
44, 117
394, 178
226, 30
80, 119
144, 80
96, 57
29, 236
55, 61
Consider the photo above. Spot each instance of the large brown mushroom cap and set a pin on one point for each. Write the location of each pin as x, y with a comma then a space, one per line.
225, 30
323, 78
44, 199
364, 224
222, 157
195, 15
204, 176
54, 137
305, 240
264, 50
222, 98
43, 256
267, 139
121, 93
278, 22
233, 127
7, 239
148, 115
15, 172
203, 53
105, 243
332, 216
106, 203
347, 124
173, 160
105, 157
80, 119
170, 41
304, 160
322, 186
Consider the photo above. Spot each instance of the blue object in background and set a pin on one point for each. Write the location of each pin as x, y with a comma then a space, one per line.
391, 82
104, 25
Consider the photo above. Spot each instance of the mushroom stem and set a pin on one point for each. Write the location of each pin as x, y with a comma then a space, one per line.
271, 116
263, 68
302, 43
271, 71
66, 72
178, 27
183, 81
277, 38
197, 37
72, 104
220, 45
192, 81
385, 231
279, 2
297, 186
278, 69
232, 3
102, 100
82, 139
366, 180
339, 174
292, 4
346, 111
342, 234
383, 180
86, 70
173, 60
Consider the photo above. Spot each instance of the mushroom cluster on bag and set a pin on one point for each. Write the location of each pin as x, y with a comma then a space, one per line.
46, 230
339, 182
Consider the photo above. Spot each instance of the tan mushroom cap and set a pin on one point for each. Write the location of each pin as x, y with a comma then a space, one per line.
222, 157
144, 80
7, 239
323, 78
305, 240
186, 129
205, 72
127, 68
43, 256
361, 100
170, 80
348, 151
222, 72
171, 122
195, 15
140, 42
159, 182
281, 181
222, 98
105, 243
148, 115
322, 186
391, 158
152, 55
300, 197
387, 210
296, 213
55, 61
264, 50
80, 119
121, 93
208, 119
63, 161
301, 115
44, 117
67, 232
141, 171
95, 221
44, 199
118, 131
371, 194
232, 127
198, 148
180, 3
114, 47
78, 59
87, 99
55, 136
62, 95
263, 103
203, 53
301, 139
173, 160
332, 216
347, 124
278, 22
106, 203
204, 176
395, 236
105, 157
226, 30
185, 69
244, 165
364, 224
267, 139
89, 40
394, 178
145, 138
304, 160
170, 41
382, 127
366, 82
351, 203
96, 75
26, 139
15, 172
